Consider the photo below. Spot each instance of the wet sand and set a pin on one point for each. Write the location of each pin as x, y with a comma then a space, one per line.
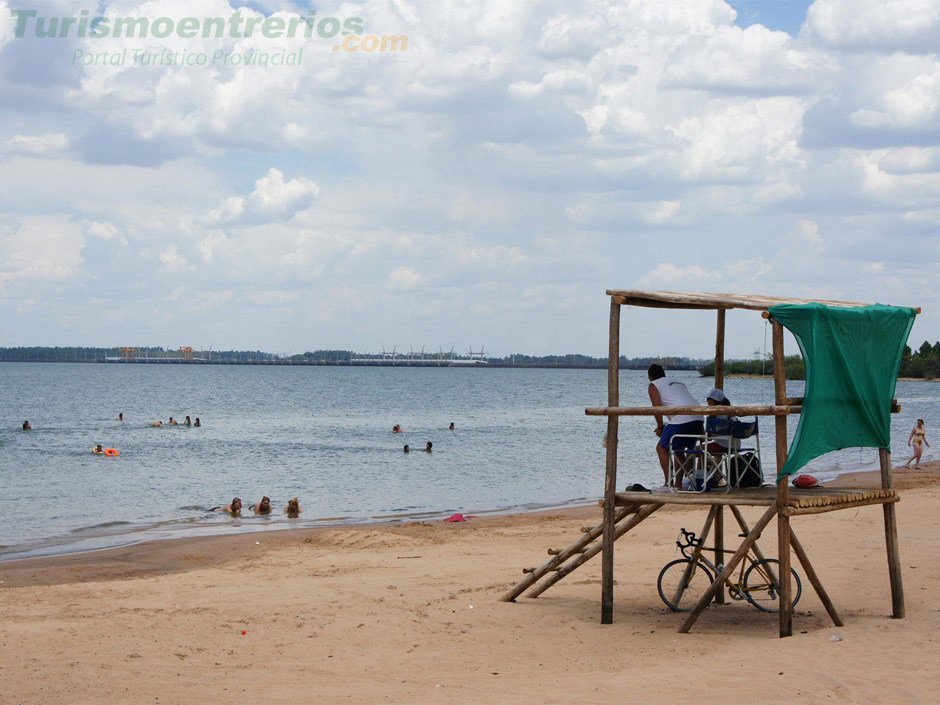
409, 613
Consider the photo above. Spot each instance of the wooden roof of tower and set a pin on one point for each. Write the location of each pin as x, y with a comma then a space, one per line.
681, 299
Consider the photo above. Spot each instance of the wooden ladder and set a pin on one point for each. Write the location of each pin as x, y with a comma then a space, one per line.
564, 562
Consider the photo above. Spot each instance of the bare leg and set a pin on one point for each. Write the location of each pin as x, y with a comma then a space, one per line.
664, 462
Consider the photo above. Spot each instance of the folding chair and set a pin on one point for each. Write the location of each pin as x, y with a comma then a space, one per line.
707, 468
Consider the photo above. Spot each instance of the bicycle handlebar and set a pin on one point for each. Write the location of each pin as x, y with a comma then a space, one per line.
687, 536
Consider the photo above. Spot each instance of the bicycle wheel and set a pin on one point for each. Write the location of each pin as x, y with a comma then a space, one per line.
672, 575
764, 592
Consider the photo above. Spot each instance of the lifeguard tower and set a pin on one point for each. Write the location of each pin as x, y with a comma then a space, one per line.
852, 352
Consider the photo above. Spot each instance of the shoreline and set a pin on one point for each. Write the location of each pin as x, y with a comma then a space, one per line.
161, 556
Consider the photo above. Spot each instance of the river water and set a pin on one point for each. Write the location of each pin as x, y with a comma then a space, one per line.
323, 434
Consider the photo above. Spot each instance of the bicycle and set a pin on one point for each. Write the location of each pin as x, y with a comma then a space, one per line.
682, 582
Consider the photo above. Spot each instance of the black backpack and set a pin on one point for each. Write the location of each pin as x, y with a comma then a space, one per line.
746, 470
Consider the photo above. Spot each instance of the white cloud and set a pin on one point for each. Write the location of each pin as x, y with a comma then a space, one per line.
755, 59
804, 241
7, 23
405, 279
41, 249
910, 160
272, 200
172, 260
516, 151
889, 25
104, 231
51, 144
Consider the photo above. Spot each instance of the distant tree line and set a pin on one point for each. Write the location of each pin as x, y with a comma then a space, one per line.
87, 354
95, 354
792, 364
581, 360
924, 363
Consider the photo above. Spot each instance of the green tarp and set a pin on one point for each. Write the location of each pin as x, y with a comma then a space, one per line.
852, 357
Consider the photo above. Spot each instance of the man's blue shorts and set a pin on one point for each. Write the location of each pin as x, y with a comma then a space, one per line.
696, 428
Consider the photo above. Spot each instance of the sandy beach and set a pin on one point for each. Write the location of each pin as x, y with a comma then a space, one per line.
409, 613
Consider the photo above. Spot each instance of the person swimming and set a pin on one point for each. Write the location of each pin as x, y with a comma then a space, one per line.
156, 424
397, 429
26, 426
187, 422
451, 427
262, 507
197, 424
407, 448
98, 450
172, 422
235, 508
427, 448
120, 417
293, 510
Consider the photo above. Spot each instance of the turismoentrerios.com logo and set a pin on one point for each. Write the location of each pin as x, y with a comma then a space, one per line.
347, 33
29, 23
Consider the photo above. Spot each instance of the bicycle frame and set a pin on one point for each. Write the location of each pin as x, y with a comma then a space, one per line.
737, 590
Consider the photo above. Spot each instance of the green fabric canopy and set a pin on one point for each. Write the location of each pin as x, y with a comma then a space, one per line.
852, 357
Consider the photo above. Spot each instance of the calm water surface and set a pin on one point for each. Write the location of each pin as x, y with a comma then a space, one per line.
323, 434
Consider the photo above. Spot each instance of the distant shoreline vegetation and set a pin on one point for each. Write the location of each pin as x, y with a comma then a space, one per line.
793, 366
923, 364
158, 354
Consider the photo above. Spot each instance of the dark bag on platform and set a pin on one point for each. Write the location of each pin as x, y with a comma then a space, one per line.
746, 471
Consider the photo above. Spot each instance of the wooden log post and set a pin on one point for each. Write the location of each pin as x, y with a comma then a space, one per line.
592, 551
746, 529
891, 538
814, 579
783, 486
559, 557
719, 545
720, 351
610, 479
720, 384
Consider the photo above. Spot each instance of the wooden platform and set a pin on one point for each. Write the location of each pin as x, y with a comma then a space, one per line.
815, 501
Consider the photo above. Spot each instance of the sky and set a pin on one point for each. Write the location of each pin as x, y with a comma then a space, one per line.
481, 186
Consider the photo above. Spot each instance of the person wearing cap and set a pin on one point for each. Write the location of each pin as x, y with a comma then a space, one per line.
719, 425
667, 391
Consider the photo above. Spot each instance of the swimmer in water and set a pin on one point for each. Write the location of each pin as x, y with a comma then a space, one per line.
427, 448
98, 450
120, 417
172, 422
407, 448
156, 424
293, 510
397, 429
451, 427
187, 422
235, 508
262, 507
26, 426
197, 424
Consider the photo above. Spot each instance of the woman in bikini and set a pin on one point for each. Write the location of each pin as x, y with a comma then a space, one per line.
919, 438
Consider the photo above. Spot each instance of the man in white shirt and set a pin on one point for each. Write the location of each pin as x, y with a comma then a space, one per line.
666, 391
